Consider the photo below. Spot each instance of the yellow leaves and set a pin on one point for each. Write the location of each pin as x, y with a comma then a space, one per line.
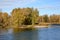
4, 19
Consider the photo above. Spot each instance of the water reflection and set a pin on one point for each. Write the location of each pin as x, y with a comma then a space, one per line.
4, 35
25, 35
51, 33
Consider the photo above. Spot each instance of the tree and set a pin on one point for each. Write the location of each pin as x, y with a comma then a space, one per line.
46, 19
27, 20
5, 19
1, 20
24, 16
17, 17
28, 16
54, 18
35, 15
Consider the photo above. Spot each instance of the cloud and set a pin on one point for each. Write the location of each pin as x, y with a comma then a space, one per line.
16, 1
5, 3
9, 3
49, 7
28, 0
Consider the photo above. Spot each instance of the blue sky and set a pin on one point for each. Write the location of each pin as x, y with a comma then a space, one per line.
44, 6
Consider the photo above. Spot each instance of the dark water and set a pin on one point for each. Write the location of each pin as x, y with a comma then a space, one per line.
51, 33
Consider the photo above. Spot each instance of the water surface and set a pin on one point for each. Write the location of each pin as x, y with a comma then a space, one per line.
50, 33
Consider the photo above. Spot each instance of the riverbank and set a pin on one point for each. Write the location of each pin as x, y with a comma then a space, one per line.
28, 28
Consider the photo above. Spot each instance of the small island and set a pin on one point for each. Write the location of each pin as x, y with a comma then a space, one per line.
26, 19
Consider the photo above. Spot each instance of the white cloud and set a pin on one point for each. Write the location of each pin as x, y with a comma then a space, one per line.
28, 0
8, 3
49, 7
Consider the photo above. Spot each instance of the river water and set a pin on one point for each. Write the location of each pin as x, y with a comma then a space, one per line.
50, 33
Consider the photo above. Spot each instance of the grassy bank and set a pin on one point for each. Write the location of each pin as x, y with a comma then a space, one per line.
29, 27
25, 28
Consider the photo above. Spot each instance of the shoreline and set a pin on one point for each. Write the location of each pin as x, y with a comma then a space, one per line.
41, 26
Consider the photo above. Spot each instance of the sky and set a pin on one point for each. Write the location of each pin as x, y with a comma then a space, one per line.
48, 7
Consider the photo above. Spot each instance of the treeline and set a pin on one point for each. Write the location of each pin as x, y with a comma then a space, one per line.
4, 20
18, 17
25, 16
53, 19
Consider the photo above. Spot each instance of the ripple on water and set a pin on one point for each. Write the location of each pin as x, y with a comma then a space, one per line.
51, 33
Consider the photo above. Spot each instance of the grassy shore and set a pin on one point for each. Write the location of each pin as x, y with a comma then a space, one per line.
29, 28
24, 28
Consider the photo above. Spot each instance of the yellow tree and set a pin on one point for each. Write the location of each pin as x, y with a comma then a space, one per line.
17, 17
14, 18
20, 16
1, 20
54, 19
5, 19
28, 16
46, 18
35, 15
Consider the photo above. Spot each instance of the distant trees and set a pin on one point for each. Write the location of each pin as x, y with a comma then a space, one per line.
46, 18
54, 18
50, 19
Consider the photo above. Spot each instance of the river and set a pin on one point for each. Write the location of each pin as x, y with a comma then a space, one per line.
50, 33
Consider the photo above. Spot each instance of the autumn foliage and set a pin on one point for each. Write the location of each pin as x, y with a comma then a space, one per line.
25, 16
